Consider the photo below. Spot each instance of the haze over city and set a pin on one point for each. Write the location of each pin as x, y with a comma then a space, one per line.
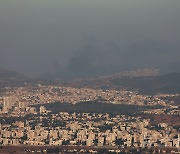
81, 38
90, 76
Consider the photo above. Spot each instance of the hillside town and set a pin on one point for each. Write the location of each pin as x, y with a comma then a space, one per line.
42, 94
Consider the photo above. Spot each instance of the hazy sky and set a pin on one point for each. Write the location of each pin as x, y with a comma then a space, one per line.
80, 38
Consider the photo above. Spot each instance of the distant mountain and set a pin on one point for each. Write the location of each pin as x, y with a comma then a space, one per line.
11, 78
134, 73
10, 75
147, 81
168, 83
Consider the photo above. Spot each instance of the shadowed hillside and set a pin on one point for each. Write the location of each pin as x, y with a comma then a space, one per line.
168, 83
11, 78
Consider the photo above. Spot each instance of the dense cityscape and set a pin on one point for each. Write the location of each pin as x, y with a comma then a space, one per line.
90, 76
25, 119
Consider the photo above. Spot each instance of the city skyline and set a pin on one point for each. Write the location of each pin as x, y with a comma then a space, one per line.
90, 76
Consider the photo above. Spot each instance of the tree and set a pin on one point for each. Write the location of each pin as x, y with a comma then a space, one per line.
119, 142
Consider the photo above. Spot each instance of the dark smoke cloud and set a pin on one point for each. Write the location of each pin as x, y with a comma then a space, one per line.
81, 64
88, 60
44, 36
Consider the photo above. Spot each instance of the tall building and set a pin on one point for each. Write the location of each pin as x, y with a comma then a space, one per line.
7, 103
22, 105
42, 109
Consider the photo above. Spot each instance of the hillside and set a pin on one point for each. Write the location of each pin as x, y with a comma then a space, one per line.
9, 75
168, 83
11, 78
145, 81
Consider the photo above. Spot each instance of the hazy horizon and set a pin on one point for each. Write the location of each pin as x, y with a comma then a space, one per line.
72, 39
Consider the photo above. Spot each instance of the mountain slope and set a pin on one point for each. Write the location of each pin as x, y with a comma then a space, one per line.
8, 75
11, 78
168, 83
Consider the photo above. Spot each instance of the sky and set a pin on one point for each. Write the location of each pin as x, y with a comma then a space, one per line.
85, 38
